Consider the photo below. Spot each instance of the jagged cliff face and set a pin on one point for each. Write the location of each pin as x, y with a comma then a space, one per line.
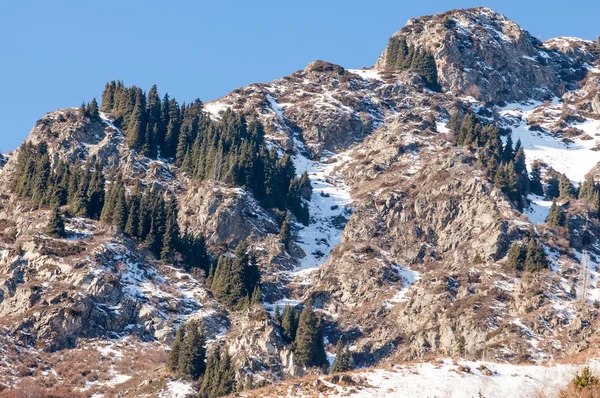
405, 252
481, 53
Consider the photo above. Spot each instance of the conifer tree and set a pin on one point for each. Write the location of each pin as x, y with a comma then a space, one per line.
226, 376
565, 188
516, 256
173, 359
285, 234
171, 234
108, 96
277, 315
119, 219
136, 127
192, 352
289, 322
92, 110
535, 259
536, 179
256, 296
193, 251
95, 191
555, 217
552, 188
306, 186
309, 350
219, 379
56, 224
343, 360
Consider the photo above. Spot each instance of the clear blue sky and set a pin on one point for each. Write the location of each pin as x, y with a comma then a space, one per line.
58, 53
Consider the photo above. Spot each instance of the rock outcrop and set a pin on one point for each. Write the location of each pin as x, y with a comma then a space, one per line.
481, 53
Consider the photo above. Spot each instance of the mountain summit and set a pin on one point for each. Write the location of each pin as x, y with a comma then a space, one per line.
481, 53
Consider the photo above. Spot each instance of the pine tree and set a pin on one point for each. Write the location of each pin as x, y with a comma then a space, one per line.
552, 188
310, 350
289, 322
219, 379
210, 380
535, 259
306, 186
92, 110
136, 127
256, 296
193, 251
173, 360
192, 352
285, 234
277, 315
516, 256
226, 376
95, 192
119, 219
565, 188
343, 360
56, 224
536, 179
555, 217
171, 234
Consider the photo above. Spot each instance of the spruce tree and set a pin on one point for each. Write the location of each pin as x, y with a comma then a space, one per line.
171, 234
95, 192
555, 217
192, 352
343, 360
536, 179
56, 224
226, 376
552, 188
93, 110
173, 360
309, 351
516, 256
119, 219
535, 259
136, 128
289, 323
286, 233
277, 315
219, 379
565, 188
256, 296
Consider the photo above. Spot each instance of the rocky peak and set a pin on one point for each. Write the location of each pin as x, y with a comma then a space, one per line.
481, 53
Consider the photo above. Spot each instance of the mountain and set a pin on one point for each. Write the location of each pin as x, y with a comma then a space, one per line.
435, 215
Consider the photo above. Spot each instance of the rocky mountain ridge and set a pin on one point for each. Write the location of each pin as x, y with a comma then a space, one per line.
405, 254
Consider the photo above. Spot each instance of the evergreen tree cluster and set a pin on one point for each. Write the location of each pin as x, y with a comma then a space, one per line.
590, 192
79, 186
401, 56
305, 331
505, 164
235, 282
188, 352
527, 256
219, 379
90, 110
288, 321
558, 185
187, 359
144, 214
231, 150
